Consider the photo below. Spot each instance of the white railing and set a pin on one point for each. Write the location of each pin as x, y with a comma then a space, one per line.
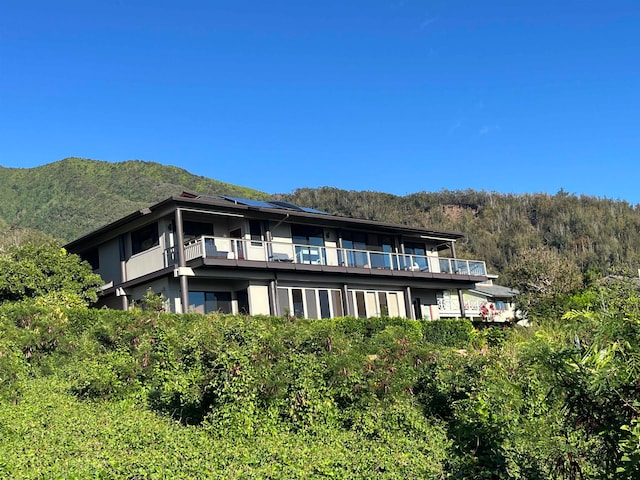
241, 249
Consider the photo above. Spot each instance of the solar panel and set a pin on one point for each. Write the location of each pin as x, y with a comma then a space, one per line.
249, 202
280, 204
313, 210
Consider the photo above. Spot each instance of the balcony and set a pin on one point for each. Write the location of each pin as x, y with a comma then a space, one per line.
280, 252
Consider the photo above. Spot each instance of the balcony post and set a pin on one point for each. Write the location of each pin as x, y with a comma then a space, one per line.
184, 283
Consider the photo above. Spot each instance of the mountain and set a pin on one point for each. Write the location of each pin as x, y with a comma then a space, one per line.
73, 196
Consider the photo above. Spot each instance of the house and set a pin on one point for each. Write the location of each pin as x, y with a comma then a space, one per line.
486, 302
236, 255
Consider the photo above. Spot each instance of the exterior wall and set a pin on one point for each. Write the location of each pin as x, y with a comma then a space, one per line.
428, 303
109, 255
145, 262
160, 286
259, 299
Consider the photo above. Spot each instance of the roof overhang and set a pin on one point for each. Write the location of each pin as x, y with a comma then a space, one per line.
211, 205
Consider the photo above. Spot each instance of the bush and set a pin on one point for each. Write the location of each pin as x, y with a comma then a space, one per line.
449, 333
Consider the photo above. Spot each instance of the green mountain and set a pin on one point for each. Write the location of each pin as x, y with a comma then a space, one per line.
73, 196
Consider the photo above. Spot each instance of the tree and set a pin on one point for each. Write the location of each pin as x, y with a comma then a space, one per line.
544, 278
31, 271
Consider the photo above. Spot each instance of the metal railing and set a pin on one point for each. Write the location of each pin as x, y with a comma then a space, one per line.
242, 249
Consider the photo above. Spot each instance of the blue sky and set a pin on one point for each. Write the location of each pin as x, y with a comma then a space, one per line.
397, 96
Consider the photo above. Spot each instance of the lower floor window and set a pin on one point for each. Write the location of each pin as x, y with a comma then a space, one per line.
208, 302
366, 304
310, 302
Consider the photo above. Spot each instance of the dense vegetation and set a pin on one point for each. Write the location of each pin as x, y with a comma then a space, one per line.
54, 198
143, 394
106, 394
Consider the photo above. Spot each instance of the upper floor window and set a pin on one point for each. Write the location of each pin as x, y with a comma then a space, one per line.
144, 238
93, 257
307, 235
255, 230
414, 248
367, 241
196, 229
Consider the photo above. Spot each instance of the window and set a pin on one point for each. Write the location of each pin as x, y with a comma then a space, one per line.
325, 312
384, 307
304, 303
307, 235
337, 303
310, 301
243, 302
375, 303
414, 248
144, 238
197, 229
312, 236
362, 310
298, 306
92, 256
255, 230
208, 302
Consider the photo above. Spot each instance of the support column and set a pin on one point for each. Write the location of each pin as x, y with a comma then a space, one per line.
408, 303
345, 301
463, 314
123, 272
273, 297
182, 262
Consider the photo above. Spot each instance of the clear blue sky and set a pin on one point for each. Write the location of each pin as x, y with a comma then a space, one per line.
389, 95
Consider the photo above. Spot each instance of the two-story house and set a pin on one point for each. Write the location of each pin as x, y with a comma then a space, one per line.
235, 255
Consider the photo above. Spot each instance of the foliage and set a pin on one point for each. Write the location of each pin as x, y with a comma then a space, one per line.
450, 333
146, 394
31, 270
544, 279
53, 198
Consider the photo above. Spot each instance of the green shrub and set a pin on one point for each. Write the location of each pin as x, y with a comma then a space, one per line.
449, 333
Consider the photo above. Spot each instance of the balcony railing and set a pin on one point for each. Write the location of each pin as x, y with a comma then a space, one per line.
241, 249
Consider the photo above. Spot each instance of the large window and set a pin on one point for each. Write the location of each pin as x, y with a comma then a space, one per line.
310, 302
144, 238
365, 249
197, 229
375, 303
309, 241
208, 302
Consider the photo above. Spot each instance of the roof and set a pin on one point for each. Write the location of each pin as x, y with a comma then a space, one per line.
266, 209
496, 291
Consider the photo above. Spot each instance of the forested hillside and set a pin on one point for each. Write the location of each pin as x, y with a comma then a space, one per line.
68, 198
73, 196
